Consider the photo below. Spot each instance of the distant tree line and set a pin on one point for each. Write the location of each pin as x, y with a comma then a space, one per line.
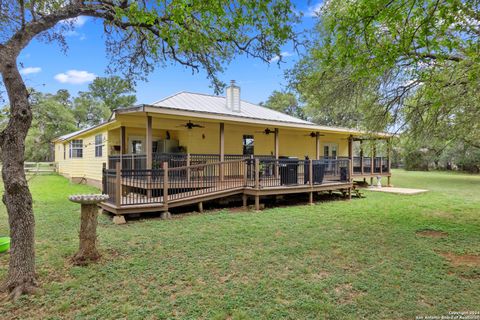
61, 113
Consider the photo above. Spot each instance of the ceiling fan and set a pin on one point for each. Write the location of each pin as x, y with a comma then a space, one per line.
190, 125
314, 134
267, 131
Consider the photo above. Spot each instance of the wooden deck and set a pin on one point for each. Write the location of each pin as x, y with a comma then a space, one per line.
143, 203
159, 190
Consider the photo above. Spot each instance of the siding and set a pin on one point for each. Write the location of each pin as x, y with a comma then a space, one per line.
88, 166
292, 142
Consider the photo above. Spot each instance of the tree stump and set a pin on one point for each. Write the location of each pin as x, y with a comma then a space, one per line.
88, 228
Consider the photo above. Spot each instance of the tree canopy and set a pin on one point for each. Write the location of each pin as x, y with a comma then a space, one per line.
410, 67
394, 62
285, 102
139, 36
114, 92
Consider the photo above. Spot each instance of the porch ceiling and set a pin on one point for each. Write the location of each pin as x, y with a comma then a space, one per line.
172, 121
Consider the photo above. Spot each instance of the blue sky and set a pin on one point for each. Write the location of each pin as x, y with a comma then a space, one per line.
46, 68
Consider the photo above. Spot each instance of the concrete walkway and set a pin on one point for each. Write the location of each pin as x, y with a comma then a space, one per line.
397, 190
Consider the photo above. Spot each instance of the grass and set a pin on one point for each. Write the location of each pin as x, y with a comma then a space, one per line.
335, 260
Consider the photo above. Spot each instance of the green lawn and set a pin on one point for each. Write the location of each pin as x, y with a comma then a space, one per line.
335, 260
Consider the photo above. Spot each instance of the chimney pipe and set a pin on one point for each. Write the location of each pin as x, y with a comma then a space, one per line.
233, 97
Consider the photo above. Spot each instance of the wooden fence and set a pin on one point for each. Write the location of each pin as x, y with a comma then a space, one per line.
40, 167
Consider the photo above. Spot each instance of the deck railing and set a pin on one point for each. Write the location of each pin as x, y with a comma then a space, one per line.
363, 165
175, 160
290, 172
142, 186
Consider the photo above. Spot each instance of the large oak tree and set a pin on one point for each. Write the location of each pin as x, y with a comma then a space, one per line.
405, 64
139, 35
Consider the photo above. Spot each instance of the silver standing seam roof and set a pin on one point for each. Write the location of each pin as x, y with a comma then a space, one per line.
210, 104
72, 134
205, 103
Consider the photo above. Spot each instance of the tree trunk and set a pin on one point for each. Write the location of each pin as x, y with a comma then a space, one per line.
17, 197
88, 236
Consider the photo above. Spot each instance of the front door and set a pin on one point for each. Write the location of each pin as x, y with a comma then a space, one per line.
330, 150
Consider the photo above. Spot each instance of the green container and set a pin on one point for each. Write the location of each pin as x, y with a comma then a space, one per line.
4, 244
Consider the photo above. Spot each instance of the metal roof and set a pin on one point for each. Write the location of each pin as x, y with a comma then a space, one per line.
72, 134
198, 102
79, 132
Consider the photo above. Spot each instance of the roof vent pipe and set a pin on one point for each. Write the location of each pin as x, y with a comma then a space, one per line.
233, 97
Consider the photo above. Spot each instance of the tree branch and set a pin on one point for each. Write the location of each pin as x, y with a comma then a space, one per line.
434, 56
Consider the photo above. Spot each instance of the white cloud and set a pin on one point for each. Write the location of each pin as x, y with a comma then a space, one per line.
314, 11
30, 70
284, 54
76, 22
75, 77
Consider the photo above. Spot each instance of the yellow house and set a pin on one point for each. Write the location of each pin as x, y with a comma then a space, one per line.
191, 130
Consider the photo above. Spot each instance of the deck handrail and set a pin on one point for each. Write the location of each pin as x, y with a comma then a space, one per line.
147, 186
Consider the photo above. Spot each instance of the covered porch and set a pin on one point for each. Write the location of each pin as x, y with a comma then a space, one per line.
158, 162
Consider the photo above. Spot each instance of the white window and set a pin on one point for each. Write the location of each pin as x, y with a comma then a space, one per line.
76, 148
99, 145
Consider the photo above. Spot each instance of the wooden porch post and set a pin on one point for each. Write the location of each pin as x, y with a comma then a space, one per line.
104, 178
276, 151
148, 151
389, 161
123, 140
118, 184
361, 157
165, 214
257, 183
372, 164
381, 162
257, 173
222, 150
188, 167
122, 144
350, 157
310, 180
317, 145
148, 142
276, 144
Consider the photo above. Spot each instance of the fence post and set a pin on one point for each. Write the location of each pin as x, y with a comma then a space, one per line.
118, 184
257, 173
165, 184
